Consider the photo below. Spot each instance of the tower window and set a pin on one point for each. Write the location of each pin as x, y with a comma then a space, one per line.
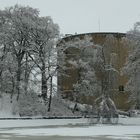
121, 88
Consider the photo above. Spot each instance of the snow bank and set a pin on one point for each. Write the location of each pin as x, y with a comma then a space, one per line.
59, 108
40, 122
129, 121
6, 107
12, 110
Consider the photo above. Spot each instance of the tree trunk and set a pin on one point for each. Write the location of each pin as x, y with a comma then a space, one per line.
13, 89
18, 79
44, 87
26, 80
50, 99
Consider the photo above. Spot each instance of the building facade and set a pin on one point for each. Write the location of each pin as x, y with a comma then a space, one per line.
113, 43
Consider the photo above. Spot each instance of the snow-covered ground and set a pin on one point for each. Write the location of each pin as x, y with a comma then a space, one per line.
6, 107
65, 129
59, 107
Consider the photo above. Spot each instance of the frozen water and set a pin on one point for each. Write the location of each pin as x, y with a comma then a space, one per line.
66, 129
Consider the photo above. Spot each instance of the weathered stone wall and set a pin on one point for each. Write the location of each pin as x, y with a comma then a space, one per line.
113, 43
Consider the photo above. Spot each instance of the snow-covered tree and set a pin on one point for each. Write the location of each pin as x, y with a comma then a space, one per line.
30, 40
45, 33
28, 54
16, 25
132, 66
84, 61
8, 74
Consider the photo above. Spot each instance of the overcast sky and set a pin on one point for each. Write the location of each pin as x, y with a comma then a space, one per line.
82, 16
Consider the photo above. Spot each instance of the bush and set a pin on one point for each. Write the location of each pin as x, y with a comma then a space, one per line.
29, 105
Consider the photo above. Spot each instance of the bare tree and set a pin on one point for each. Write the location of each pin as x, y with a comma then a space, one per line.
45, 34
132, 66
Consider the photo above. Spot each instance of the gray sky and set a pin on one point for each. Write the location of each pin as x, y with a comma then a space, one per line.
83, 16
